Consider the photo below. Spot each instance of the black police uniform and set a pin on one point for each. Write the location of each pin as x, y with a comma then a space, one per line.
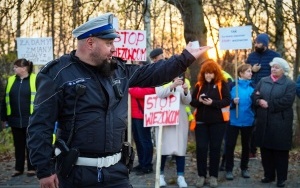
100, 113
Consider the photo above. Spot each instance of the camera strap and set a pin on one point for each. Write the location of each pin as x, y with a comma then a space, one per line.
80, 90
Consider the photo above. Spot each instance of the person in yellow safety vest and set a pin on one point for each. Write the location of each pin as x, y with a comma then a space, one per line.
229, 82
227, 76
19, 96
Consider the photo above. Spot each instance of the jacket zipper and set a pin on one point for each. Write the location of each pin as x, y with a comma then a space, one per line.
19, 102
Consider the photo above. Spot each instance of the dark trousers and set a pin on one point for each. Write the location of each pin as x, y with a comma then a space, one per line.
232, 133
253, 148
180, 163
275, 162
209, 136
115, 176
143, 142
21, 150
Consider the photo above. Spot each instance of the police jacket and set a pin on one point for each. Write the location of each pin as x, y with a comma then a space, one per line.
264, 60
68, 86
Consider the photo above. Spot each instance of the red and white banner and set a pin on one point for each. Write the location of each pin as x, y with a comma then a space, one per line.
161, 111
131, 45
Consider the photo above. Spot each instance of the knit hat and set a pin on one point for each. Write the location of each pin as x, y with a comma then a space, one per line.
263, 38
155, 52
282, 63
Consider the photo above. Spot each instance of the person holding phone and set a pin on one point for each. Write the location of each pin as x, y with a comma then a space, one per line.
175, 137
211, 98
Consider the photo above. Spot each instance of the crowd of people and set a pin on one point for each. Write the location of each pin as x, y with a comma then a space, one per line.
85, 93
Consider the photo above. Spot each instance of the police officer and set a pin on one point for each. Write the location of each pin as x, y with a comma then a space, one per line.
86, 92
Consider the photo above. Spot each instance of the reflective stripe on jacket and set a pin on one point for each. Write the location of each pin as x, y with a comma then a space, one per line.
10, 83
226, 109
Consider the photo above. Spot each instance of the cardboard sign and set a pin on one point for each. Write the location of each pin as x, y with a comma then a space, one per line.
233, 38
37, 50
161, 111
131, 45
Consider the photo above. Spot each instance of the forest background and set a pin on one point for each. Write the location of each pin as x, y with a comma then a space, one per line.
169, 24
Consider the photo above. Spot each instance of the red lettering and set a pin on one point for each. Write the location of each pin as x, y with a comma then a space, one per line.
162, 118
163, 103
134, 54
140, 37
149, 103
127, 37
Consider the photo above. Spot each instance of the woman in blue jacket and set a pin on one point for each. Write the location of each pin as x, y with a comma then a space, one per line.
241, 120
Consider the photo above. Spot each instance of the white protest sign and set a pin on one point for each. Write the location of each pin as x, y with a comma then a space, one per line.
161, 111
131, 45
234, 38
37, 50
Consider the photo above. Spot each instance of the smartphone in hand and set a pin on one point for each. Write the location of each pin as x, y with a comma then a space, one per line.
204, 97
182, 76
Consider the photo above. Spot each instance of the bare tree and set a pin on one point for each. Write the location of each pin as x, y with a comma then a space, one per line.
279, 27
194, 27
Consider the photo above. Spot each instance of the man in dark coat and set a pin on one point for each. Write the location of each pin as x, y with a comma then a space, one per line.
86, 93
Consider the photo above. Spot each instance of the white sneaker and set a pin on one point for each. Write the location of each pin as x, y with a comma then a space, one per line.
200, 181
162, 182
181, 182
213, 181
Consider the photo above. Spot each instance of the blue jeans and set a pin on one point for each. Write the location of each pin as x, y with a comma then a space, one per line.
180, 163
143, 142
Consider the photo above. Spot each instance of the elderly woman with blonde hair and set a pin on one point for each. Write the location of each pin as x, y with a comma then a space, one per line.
273, 98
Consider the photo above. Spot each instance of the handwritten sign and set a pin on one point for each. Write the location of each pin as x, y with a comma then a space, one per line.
131, 45
37, 50
161, 111
233, 38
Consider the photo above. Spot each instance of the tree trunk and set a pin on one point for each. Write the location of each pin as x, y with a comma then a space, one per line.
194, 28
18, 31
279, 36
296, 18
147, 27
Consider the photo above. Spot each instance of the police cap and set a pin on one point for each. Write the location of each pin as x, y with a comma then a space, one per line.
101, 27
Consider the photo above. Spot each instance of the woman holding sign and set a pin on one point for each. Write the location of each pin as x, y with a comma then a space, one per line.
211, 98
242, 123
174, 138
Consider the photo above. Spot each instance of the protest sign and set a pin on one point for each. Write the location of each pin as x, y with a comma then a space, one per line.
161, 111
131, 45
233, 38
37, 50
